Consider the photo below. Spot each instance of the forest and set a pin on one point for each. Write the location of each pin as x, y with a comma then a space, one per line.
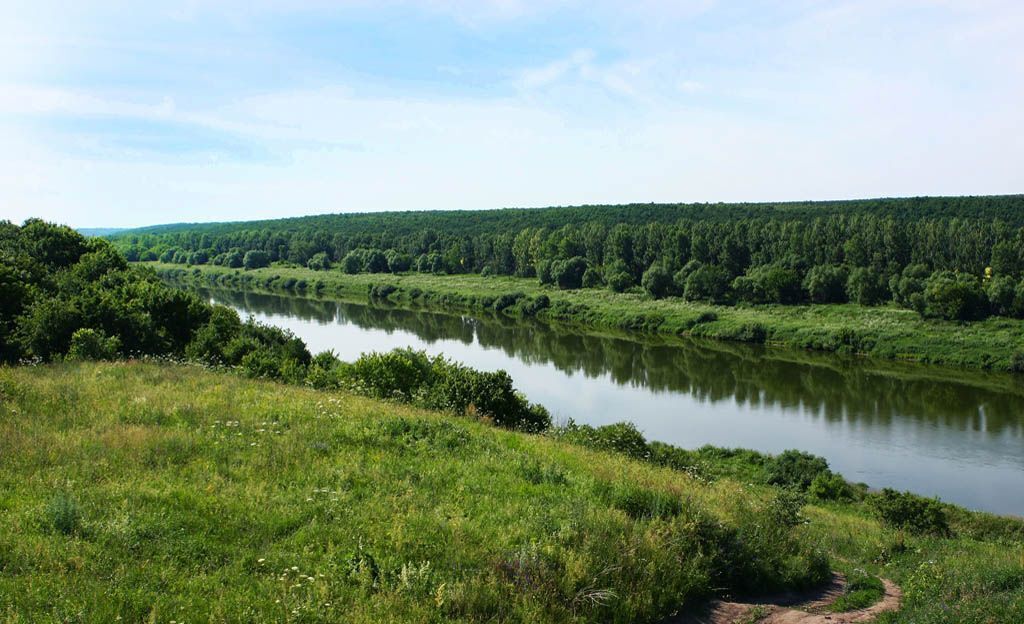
952, 258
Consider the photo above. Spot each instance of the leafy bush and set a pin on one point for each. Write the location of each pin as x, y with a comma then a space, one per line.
910, 512
592, 278
568, 274
826, 283
768, 284
657, 281
955, 296
91, 344
866, 287
1002, 293
319, 262
401, 373
623, 438
796, 469
908, 287
255, 259
708, 283
620, 282
829, 486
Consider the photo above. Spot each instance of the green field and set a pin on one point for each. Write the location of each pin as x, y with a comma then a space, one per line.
153, 493
885, 332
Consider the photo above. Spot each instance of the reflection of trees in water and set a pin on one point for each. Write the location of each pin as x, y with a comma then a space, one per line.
842, 390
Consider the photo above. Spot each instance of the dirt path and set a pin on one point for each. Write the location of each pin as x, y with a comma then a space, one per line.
794, 608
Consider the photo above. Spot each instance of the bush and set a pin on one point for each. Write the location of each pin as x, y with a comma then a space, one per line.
255, 259
592, 278
319, 262
796, 469
768, 284
657, 281
92, 344
865, 286
908, 288
64, 514
623, 438
826, 283
568, 274
544, 274
708, 283
398, 262
401, 373
955, 297
352, 263
1001, 292
829, 486
620, 282
910, 512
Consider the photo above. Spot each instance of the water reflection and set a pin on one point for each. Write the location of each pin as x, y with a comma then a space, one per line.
958, 435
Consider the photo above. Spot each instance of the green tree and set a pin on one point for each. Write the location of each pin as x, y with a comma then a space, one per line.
657, 281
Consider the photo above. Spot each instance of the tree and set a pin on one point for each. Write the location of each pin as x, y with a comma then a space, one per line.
233, 259
319, 262
255, 259
568, 274
592, 278
352, 263
1001, 292
657, 281
864, 286
708, 283
955, 296
826, 283
768, 284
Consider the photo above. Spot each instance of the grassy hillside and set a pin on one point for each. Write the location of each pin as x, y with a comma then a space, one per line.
883, 332
148, 492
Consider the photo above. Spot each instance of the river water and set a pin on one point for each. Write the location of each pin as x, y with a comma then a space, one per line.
938, 432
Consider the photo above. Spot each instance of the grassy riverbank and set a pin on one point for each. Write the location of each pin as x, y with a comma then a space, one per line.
157, 492
882, 332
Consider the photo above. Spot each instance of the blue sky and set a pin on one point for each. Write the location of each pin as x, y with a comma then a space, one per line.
126, 113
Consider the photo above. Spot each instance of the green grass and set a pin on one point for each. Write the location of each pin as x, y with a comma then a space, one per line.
153, 492
884, 332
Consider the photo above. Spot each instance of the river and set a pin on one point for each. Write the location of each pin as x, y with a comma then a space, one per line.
938, 432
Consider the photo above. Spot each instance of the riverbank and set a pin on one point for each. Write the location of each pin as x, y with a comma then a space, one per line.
881, 332
159, 492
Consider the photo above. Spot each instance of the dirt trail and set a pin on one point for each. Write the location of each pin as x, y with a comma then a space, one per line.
794, 608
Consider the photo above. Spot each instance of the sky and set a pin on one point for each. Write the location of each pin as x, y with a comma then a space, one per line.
116, 114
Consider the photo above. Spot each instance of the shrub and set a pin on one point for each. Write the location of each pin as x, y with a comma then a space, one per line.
319, 262
865, 286
829, 486
592, 278
568, 274
255, 259
92, 344
955, 297
708, 283
401, 373
1001, 292
826, 283
910, 512
908, 287
234, 259
768, 284
623, 438
544, 274
352, 263
64, 514
619, 282
796, 469
398, 262
657, 281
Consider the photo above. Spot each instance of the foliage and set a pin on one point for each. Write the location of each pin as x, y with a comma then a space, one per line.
829, 486
826, 283
255, 259
91, 344
623, 438
955, 297
657, 281
865, 286
768, 284
908, 511
707, 283
64, 514
796, 469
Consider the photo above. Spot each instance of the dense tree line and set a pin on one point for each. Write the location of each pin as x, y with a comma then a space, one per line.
946, 257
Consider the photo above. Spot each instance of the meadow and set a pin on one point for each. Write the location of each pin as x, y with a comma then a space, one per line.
156, 492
